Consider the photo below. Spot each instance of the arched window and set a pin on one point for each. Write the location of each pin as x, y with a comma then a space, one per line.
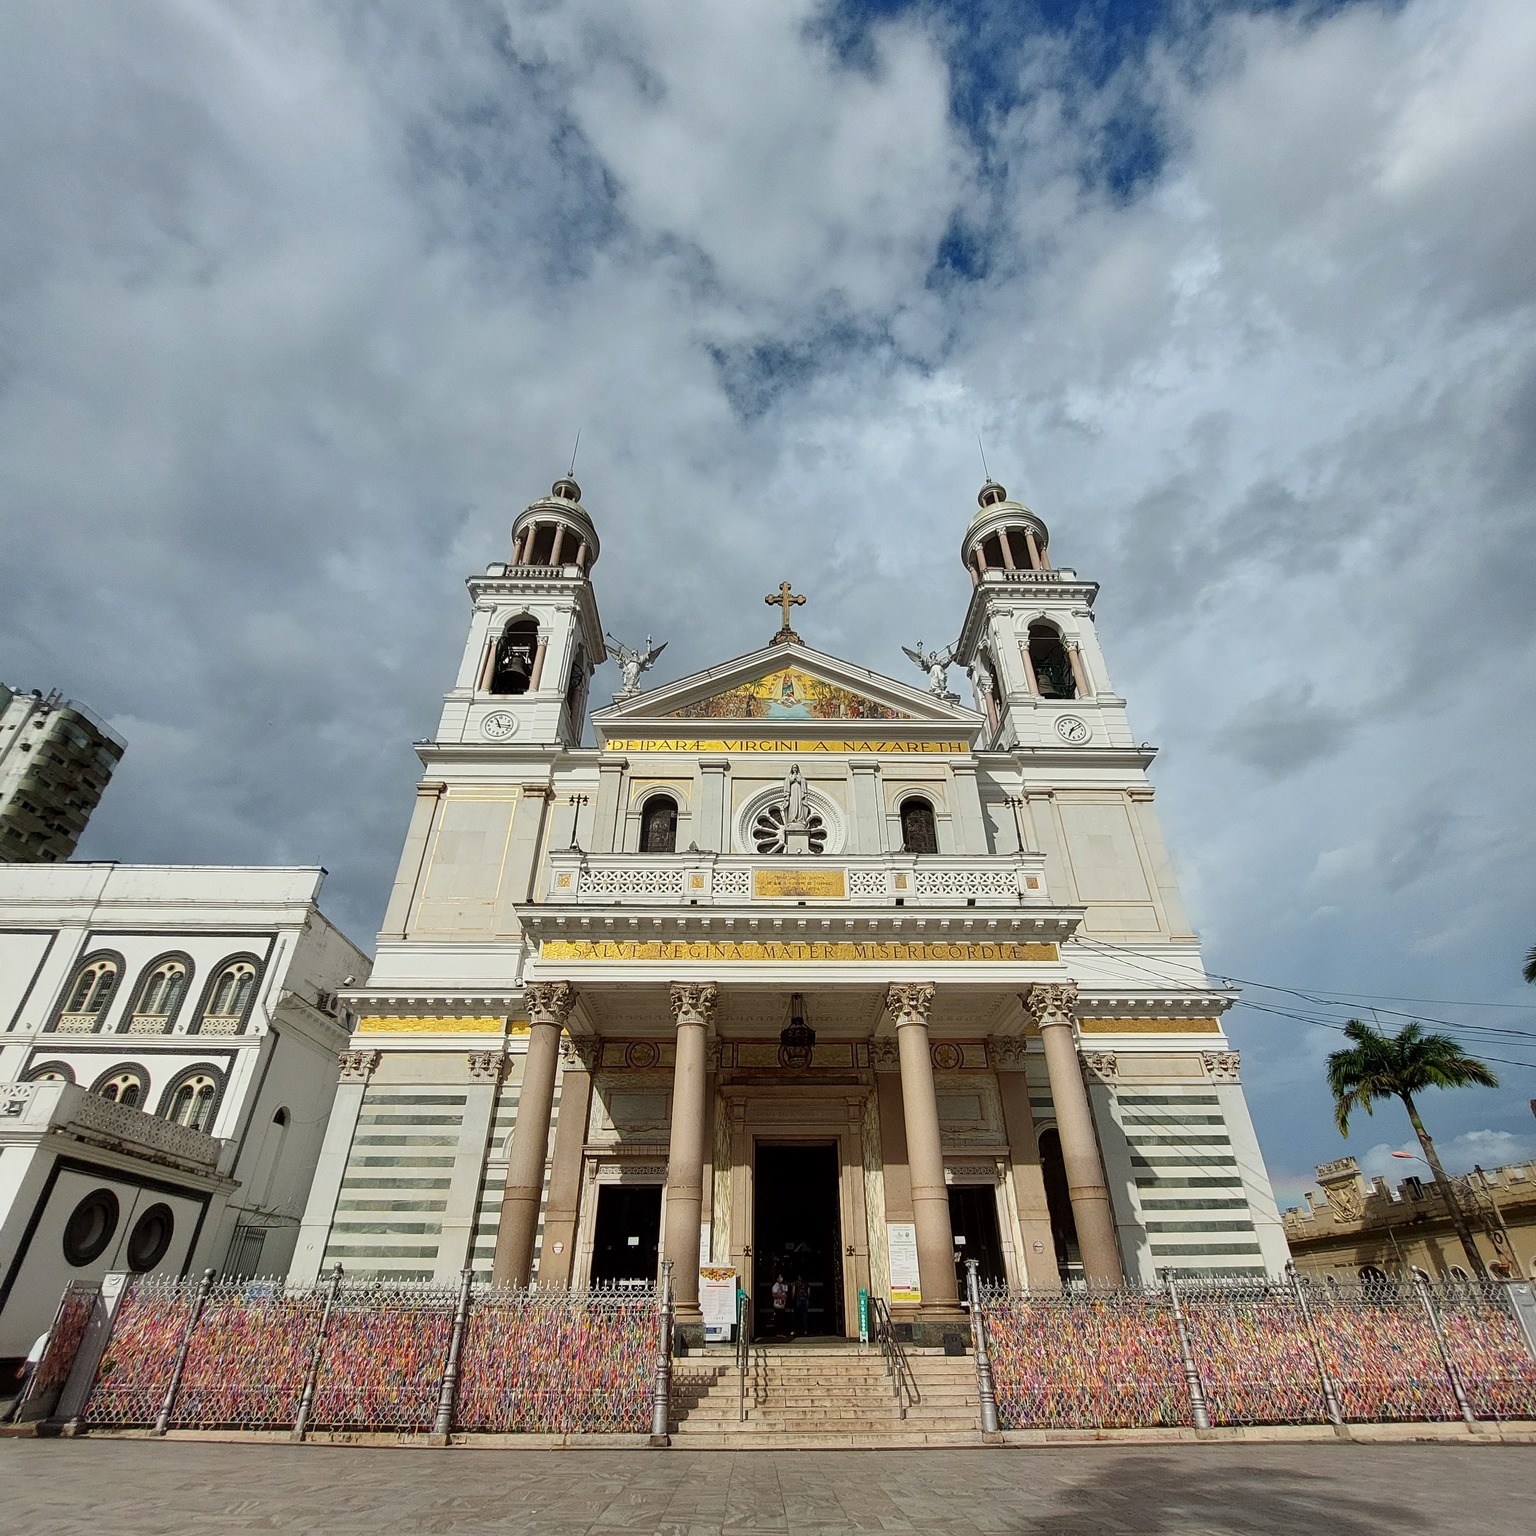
160, 994
228, 998
123, 1085
918, 831
512, 664
1052, 666
192, 1099
50, 1072
658, 825
89, 993
1459, 1275
1372, 1277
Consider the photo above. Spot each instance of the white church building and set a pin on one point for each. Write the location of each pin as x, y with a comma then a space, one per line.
799, 969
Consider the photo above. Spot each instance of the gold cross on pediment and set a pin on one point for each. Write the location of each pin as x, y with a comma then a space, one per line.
785, 598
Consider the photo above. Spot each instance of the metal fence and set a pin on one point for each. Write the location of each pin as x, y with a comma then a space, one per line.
1255, 1352
58, 1359
244, 1354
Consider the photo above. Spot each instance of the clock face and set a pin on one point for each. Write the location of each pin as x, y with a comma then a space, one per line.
498, 726
1072, 730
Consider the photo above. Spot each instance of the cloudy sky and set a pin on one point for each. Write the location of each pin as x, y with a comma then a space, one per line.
300, 304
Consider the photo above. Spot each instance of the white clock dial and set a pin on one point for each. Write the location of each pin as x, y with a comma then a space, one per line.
498, 726
1072, 730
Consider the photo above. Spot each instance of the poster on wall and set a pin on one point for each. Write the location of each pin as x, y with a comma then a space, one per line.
901, 1244
717, 1301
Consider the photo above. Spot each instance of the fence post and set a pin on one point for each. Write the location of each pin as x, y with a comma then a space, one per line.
985, 1390
447, 1391
173, 1386
1202, 1414
661, 1398
1422, 1287
307, 1398
1330, 1397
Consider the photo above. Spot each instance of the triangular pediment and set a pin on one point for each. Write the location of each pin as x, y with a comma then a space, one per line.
786, 685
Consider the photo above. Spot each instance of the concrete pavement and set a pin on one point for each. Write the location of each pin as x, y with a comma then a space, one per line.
133, 1488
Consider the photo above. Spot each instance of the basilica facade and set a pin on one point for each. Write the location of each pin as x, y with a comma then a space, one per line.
800, 970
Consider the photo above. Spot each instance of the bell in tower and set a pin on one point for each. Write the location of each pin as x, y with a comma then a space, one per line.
536, 637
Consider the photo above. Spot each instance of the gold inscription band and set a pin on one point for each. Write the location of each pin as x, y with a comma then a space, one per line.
762, 744
691, 949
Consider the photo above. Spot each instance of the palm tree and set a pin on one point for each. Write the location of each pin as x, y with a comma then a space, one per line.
1383, 1066
1530, 965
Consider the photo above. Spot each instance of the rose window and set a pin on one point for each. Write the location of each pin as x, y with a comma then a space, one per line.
770, 835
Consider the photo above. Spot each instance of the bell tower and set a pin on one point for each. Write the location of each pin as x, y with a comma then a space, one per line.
1028, 640
535, 638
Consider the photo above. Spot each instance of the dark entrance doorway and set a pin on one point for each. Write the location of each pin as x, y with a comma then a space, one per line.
973, 1218
798, 1235
627, 1234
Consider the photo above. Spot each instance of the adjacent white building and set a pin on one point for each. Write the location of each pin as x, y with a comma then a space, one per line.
168, 1059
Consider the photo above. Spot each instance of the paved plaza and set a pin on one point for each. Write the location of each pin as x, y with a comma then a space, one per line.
133, 1488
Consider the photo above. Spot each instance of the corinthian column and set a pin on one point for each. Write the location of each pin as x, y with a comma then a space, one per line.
549, 1002
693, 1006
1051, 1005
908, 1005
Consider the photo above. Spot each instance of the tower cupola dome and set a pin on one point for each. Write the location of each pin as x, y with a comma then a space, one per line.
556, 531
1004, 536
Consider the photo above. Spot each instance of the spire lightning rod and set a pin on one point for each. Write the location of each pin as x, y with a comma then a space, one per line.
985, 471
572, 470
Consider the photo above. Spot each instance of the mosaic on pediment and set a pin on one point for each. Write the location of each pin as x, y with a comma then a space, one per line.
787, 695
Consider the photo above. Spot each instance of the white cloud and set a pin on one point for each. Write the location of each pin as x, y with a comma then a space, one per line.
300, 306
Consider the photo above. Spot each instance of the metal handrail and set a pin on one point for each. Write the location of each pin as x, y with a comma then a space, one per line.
743, 1353
897, 1366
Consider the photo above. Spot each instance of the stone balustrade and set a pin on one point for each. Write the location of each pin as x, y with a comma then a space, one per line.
882, 880
54, 1106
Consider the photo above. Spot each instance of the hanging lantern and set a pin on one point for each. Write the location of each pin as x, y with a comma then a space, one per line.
798, 1040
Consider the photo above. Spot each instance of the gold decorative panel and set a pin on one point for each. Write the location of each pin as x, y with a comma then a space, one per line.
769, 883
432, 1024
1149, 1026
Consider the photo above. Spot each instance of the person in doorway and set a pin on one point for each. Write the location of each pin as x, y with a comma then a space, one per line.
802, 1300
780, 1305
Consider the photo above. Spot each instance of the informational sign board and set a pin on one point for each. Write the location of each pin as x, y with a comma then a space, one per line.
863, 1316
901, 1244
717, 1301
704, 1244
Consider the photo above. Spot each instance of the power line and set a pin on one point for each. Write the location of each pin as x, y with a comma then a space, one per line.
1166, 977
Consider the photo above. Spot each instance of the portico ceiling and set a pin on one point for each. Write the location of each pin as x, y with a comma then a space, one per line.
746, 1011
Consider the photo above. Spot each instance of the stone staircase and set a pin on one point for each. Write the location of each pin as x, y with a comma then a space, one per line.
822, 1394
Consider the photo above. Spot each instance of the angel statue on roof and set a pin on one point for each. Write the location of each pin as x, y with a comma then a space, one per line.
632, 663
936, 664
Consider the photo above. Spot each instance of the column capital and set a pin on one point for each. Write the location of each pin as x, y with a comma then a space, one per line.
487, 1066
1050, 1002
357, 1066
549, 1002
909, 1002
578, 1052
696, 998
884, 1055
1008, 1053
